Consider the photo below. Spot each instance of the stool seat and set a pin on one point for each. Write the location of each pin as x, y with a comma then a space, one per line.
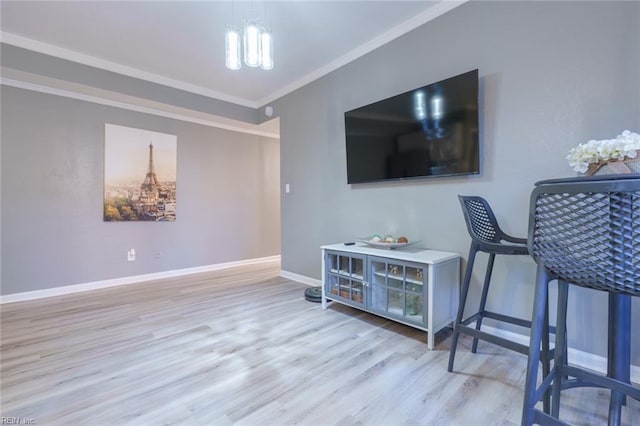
584, 232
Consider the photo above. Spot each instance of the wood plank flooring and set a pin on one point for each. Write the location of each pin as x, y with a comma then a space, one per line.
243, 347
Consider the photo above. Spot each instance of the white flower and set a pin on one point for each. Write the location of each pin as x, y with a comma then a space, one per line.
623, 146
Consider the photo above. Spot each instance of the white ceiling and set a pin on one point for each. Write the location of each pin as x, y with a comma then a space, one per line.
181, 44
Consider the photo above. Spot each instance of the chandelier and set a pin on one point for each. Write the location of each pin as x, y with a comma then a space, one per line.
257, 44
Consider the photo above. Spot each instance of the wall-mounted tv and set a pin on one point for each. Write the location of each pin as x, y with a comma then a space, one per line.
429, 131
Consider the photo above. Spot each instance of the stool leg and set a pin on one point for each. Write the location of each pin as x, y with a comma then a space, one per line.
483, 298
619, 355
560, 360
537, 325
544, 355
463, 301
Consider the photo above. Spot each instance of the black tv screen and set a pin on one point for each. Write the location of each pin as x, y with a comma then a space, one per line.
429, 131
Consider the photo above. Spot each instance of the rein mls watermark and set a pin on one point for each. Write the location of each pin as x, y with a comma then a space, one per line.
17, 421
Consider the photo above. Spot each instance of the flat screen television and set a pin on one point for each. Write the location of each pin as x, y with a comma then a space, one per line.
426, 132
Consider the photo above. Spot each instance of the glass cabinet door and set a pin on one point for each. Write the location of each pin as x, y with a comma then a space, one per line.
414, 293
396, 288
345, 277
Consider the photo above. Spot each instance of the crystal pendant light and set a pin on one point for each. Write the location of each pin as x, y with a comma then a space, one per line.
252, 51
266, 49
232, 49
257, 43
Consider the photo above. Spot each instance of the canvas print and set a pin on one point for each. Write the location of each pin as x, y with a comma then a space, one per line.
139, 175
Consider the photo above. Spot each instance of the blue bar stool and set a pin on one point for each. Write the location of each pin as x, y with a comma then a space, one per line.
487, 237
584, 232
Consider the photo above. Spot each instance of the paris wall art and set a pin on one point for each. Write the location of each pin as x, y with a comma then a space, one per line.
139, 175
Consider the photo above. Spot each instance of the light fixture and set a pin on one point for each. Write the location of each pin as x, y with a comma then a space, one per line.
266, 49
257, 44
252, 43
232, 48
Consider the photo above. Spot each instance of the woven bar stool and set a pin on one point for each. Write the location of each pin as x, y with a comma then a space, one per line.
486, 236
584, 232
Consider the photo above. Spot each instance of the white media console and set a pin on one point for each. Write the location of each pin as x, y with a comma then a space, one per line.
416, 287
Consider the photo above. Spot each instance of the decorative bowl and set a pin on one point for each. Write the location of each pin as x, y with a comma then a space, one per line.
382, 244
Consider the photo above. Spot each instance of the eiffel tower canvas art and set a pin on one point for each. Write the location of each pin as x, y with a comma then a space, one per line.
140, 175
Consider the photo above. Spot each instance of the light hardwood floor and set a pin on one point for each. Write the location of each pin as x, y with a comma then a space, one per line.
243, 347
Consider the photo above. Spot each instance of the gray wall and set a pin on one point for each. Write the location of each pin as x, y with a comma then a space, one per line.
52, 188
552, 75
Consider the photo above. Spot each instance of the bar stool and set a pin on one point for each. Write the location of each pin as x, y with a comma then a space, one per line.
486, 236
584, 232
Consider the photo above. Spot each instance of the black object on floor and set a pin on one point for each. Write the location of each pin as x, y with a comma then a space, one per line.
313, 294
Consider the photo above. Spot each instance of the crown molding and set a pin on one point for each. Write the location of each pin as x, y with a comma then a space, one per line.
92, 61
430, 14
437, 10
102, 100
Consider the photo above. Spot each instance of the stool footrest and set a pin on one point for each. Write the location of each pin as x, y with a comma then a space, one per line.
504, 318
544, 419
463, 327
498, 317
589, 379
582, 378
492, 338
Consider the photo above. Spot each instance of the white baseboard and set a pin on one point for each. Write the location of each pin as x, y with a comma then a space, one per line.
576, 357
135, 279
300, 278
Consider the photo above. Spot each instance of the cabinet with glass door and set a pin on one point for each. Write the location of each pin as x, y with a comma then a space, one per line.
397, 289
345, 277
417, 287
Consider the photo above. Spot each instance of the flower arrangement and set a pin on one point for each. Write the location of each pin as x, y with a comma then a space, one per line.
588, 157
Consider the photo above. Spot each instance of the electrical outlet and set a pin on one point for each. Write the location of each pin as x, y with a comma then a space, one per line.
157, 255
131, 255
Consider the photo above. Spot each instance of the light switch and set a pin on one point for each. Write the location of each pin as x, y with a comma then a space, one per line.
287, 188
